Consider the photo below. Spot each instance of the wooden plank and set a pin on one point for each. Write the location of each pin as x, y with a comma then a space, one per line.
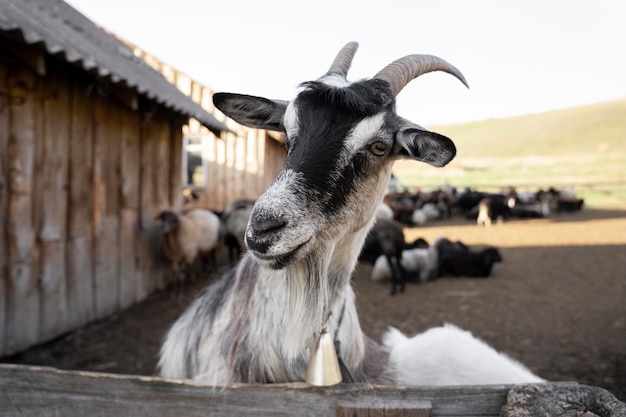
128, 274
35, 391
52, 233
129, 231
375, 407
106, 221
80, 256
175, 155
22, 310
4, 195
148, 210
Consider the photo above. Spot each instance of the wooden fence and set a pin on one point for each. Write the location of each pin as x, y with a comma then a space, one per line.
37, 391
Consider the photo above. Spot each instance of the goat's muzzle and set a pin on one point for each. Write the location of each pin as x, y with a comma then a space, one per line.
262, 232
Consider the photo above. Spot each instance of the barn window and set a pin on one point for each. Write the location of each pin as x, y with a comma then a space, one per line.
195, 161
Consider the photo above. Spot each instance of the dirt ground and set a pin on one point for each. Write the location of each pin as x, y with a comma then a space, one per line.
557, 303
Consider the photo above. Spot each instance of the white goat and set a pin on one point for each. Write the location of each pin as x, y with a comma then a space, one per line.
448, 355
260, 322
422, 262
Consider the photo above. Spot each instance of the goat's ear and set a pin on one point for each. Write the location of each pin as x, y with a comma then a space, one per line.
415, 142
251, 111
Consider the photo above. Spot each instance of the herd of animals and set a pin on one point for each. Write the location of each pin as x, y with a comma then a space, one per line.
198, 233
261, 321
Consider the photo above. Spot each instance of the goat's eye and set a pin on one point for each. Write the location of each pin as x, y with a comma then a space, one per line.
379, 148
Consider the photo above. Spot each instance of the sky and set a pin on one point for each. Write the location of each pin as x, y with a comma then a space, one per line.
519, 57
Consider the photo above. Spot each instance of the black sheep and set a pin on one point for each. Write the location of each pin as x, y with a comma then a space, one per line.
469, 263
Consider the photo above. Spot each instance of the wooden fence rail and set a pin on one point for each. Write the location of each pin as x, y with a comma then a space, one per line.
40, 391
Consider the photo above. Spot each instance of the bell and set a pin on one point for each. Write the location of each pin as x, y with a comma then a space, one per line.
323, 369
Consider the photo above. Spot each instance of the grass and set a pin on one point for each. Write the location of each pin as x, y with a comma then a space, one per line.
582, 147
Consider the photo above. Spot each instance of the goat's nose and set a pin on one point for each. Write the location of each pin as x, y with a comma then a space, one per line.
262, 232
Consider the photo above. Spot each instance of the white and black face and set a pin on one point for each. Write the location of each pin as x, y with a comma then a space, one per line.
341, 143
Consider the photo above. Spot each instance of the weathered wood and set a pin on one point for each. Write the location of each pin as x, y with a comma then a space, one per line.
5, 100
55, 179
175, 156
23, 301
35, 391
80, 259
106, 220
146, 252
563, 400
374, 407
127, 257
130, 203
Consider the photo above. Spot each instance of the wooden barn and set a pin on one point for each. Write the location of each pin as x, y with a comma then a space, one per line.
240, 163
91, 150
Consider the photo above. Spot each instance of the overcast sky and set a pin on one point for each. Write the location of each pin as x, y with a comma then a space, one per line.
519, 57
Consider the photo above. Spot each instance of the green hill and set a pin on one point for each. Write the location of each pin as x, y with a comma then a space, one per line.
583, 147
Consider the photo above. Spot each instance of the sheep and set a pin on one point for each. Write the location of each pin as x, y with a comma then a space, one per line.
448, 355
428, 211
187, 236
421, 262
384, 212
260, 322
235, 217
469, 263
386, 240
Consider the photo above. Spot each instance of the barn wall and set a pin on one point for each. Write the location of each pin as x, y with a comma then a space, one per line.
82, 177
241, 164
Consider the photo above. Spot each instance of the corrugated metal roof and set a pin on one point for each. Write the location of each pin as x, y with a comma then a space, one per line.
67, 34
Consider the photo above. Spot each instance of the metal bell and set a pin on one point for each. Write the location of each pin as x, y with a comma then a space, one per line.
323, 369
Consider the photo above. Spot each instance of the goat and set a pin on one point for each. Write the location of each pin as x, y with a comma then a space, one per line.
386, 240
469, 263
260, 321
495, 207
448, 355
235, 217
187, 236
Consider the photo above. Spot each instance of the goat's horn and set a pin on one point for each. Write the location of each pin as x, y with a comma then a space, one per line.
401, 71
343, 60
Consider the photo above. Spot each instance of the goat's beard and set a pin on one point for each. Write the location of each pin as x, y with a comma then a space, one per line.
308, 304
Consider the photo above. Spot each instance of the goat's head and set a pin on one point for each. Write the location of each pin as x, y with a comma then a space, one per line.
169, 221
341, 138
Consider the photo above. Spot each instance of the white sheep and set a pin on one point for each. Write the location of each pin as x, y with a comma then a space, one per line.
448, 355
187, 236
425, 213
422, 261
383, 211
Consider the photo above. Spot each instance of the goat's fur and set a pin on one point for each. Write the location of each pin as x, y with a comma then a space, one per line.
259, 322
447, 355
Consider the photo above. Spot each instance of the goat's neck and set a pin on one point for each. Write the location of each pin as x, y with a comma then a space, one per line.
318, 292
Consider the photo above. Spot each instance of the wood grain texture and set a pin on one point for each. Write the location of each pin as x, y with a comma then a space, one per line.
36, 391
